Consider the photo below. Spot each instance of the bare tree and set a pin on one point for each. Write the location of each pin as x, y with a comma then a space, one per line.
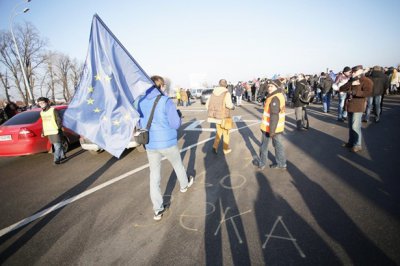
63, 70
9, 60
31, 47
4, 81
50, 59
76, 72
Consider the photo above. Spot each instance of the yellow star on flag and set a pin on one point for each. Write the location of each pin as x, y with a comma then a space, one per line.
104, 118
90, 89
127, 117
107, 78
97, 110
90, 101
116, 123
97, 77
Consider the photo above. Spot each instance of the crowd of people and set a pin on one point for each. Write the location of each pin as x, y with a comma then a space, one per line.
360, 93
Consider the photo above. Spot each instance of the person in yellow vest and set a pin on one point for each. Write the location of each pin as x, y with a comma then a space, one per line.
218, 107
273, 125
52, 128
178, 97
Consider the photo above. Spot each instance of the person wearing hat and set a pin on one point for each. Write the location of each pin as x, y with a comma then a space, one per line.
273, 125
342, 79
52, 128
358, 88
299, 104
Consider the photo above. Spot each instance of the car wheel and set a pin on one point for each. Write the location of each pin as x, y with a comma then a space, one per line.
65, 144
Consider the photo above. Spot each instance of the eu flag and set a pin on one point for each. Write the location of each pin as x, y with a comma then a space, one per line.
102, 106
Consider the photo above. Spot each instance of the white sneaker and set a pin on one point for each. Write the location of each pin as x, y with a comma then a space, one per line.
191, 180
158, 215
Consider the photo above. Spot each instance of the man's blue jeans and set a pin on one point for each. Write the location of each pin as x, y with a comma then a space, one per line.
279, 150
355, 129
377, 100
326, 101
341, 112
174, 157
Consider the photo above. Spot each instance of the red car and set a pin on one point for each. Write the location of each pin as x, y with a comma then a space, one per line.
21, 135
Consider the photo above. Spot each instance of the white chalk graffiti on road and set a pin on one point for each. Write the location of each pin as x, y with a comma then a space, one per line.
290, 238
224, 219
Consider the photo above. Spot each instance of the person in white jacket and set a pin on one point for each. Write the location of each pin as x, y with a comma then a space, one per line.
342, 79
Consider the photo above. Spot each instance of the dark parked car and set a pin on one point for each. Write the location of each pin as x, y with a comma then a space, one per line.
205, 94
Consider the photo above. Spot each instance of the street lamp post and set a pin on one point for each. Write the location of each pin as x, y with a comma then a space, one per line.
12, 16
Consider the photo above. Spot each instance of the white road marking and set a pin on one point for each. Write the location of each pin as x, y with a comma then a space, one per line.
362, 168
63, 203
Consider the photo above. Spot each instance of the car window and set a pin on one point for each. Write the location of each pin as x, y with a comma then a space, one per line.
206, 92
23, 118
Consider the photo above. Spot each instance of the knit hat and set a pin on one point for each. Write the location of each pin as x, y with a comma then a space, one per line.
277, 83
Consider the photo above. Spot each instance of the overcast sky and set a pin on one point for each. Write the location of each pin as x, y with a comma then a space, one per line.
192, 41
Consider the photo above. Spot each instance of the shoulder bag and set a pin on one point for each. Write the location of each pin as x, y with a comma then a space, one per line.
142, 135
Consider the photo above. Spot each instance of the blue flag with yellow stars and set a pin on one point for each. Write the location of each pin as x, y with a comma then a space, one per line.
102, 107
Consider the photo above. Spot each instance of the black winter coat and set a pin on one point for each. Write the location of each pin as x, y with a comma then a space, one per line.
381, 82
300, 86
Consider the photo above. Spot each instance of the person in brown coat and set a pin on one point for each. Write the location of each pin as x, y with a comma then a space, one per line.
358, 88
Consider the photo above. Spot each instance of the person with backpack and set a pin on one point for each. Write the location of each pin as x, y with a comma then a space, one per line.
325, 83
219, 107
301, 99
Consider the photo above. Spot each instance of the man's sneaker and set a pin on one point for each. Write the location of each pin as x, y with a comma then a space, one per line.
191, 180
275, 166
158, 215
347, 145
356, 149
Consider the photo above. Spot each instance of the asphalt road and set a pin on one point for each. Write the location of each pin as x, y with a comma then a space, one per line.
330, 207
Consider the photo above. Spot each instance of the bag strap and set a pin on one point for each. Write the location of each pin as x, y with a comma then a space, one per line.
152, 112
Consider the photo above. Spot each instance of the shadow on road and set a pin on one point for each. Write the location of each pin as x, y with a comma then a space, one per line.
293, 241
226, 216
40, 224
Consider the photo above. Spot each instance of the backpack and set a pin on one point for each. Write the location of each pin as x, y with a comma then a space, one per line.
307, 93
